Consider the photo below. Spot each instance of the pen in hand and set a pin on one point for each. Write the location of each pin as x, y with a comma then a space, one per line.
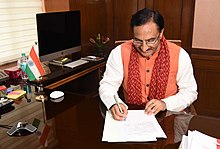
116, 100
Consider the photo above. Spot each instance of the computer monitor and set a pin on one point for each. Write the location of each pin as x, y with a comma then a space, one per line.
59, 34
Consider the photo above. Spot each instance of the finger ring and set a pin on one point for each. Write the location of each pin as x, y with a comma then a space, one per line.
153, 104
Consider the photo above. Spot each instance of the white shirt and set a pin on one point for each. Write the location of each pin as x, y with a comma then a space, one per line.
114, 73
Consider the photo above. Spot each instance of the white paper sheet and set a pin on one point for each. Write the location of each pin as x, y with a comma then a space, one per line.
138, 127
196, 139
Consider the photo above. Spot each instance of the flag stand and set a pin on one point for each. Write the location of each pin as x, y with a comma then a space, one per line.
40, 94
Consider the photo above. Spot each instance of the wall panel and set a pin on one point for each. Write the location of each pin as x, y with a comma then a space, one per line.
187, 23
172, 13
93, 19
141, 4
207, 72
178, 16
56, 5
150, 4
122, 12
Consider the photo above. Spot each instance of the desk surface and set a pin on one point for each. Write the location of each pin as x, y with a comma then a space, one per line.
26, 109
77, 118
79, 122
58, 75
82, 126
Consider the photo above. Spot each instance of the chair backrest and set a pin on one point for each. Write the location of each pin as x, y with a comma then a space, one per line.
205, 124
120, 41
102, 108
177, 42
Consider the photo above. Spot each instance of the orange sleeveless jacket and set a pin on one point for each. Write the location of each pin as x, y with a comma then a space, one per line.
146, 66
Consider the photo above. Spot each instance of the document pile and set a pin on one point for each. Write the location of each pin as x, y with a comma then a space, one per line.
198, 140
138, 127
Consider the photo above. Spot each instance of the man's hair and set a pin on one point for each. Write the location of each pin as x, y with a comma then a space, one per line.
146, 15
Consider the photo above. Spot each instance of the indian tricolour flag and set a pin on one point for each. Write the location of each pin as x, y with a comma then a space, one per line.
42, 131
34, 69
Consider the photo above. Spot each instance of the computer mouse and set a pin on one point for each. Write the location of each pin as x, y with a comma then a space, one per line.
57, 99
93, 57
56, 94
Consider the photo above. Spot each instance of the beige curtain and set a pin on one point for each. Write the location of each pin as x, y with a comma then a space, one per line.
17, 27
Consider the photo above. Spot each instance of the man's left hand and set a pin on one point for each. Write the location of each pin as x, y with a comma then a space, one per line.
154, 106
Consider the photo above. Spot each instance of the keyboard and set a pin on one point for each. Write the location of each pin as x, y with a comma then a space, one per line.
76, 63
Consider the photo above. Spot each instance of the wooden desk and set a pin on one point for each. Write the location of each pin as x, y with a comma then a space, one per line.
76, 121
24, 110
59, 78
79, 124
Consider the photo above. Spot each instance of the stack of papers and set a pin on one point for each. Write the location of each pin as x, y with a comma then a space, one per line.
138, 127
198, 140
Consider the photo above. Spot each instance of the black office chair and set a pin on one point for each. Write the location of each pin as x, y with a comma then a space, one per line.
102, 108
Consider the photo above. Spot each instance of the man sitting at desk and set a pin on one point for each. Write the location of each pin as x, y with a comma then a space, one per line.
155, 74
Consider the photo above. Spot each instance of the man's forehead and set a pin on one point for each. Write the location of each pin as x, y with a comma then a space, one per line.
147, 28
144, 27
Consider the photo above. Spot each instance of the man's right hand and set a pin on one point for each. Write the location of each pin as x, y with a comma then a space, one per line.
117, 115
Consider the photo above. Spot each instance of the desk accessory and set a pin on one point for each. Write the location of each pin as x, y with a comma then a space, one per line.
57, 99
92, 58
76, 63
6, 109
56, 96
3, 76
22, 65
10, 89
5, 102
60, 61
3, 90
16, 94
21, 129
40, 94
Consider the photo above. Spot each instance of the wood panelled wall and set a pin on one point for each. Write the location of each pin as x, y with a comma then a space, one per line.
178, 16
93, 19
56, 5
112, 18
207, 71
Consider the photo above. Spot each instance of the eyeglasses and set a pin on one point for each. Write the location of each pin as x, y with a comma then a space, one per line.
150, 42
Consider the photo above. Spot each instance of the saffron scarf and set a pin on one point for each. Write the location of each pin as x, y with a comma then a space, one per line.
159, 78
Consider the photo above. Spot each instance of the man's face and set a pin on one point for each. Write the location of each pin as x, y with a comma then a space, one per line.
147, 38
